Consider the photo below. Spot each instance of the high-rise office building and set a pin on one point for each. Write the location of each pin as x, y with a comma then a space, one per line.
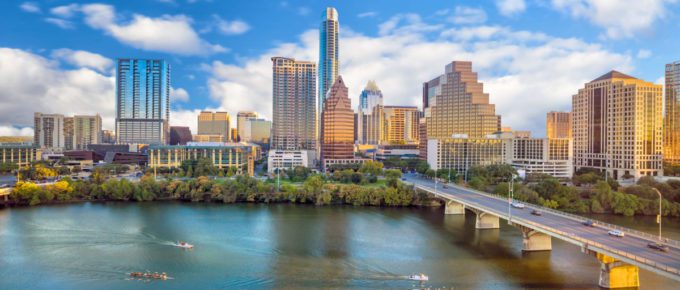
294, 104
671, 150
108, 137
48, 130
401, 124
215, 123
617, 126
180, 135
328, 52
257, 131
142, 101
558, 125
86, 130
370, 116
241, 118
337, 124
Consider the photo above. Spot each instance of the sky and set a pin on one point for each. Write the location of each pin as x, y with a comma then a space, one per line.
531, 55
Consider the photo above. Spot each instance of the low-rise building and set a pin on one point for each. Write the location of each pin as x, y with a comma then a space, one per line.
460, 153
288, 159
542, 156
222, 155
21, 154
402, 151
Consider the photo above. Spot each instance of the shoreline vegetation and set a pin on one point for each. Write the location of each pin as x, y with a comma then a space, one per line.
588, 192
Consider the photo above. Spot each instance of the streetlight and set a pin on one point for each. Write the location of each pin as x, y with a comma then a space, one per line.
658, 217
435, 181
511, 191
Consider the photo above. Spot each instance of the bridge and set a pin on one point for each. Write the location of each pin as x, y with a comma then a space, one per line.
4, 195
620, 258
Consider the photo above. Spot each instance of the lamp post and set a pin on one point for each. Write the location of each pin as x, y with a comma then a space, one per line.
658, 217
511, 191
435, 181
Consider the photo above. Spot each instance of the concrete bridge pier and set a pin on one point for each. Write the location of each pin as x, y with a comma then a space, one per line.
534, 241
485, 220
453, 207
617, 274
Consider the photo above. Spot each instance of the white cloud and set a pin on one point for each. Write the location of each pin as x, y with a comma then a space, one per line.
620, 18
187, 118
644, 53
31, 83
226, 27
178, 95
168, 33
30, 7
65, 11
510, 7
62, 23
367, 14
468, 15
14, 131
519, 69
81, 58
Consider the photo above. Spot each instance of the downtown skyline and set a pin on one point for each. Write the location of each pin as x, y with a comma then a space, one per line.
508, 52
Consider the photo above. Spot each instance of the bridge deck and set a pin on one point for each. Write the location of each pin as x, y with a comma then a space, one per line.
631, 249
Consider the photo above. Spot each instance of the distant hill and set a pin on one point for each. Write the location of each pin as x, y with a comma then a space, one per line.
15, 139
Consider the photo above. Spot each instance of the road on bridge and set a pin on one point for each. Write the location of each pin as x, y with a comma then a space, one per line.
630, 244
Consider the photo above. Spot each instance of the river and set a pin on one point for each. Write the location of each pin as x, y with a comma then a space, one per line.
95, 245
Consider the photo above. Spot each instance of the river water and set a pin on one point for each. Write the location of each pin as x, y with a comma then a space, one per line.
94, 246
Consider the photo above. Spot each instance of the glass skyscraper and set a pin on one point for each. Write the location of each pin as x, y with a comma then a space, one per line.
328, 52
671, 119
142, 101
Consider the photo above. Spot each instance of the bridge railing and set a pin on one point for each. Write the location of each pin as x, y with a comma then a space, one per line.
579, 218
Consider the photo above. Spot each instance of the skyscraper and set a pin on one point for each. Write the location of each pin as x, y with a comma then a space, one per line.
671, 150
294, 104
558, 125
401, 124
48, 130
142, 101
215, 123
241, 119
337, 124
257, 131
86, 130
617, 126
69, 133
370, 117
328, 52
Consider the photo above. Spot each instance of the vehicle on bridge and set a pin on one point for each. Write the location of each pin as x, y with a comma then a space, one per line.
445, 186
616, 233
588, 223
518, 205
658, 247
419, 277
536, 212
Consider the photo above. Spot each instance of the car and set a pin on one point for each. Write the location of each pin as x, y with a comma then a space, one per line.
616, 233
4, 185
588, 223
658, 247
535, 212
517, 205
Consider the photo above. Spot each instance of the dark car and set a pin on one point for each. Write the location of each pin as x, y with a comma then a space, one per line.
535, 212
445, 186
658, 247
588, 223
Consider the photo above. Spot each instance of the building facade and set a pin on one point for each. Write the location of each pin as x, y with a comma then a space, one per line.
21, 154
541, 156
289, 159
460, 153
401, 125
241, 119
108, 137
257, 131
558, 125
142, 101
671, 147
86, 130
54, 131
222, 155
180, 135
328, 52
370, 126
215, 123
48, 131
294, 104
337, 124
617, 126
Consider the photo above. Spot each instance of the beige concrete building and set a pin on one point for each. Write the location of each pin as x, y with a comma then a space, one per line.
294, 124
558, 125
257, 131
241, 119
223, 155
617, 126
401, 125
208, 138
215, 123
671, 148
541, 156
86, 130
21, 154
460, 153
48, 131
55, 131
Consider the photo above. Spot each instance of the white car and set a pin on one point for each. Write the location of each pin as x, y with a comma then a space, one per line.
616, 233
517, 205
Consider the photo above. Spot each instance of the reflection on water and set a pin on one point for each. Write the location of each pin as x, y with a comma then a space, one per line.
88, 246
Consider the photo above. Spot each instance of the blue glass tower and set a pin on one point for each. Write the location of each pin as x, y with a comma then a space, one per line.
328, 53
142, 101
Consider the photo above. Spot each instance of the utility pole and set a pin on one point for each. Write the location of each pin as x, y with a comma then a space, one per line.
511, 190
658, 217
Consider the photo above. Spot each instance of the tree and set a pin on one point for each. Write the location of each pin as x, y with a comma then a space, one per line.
478, 183
422, 166
7, 167
371, 167
204, 167
314, 184
190, 171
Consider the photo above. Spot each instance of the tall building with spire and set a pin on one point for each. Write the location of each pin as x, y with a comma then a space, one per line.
370, 116
294, 104
671, 146
337, 126
617, 126
328, 52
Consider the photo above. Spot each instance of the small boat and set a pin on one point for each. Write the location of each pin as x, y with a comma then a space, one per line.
149, 275
184, 245
419, 277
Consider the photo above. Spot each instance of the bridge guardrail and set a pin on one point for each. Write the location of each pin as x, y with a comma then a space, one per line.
669, 242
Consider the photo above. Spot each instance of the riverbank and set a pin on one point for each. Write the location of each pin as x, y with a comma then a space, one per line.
242, 189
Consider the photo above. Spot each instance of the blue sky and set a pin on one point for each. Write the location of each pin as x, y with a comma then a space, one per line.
532, 55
